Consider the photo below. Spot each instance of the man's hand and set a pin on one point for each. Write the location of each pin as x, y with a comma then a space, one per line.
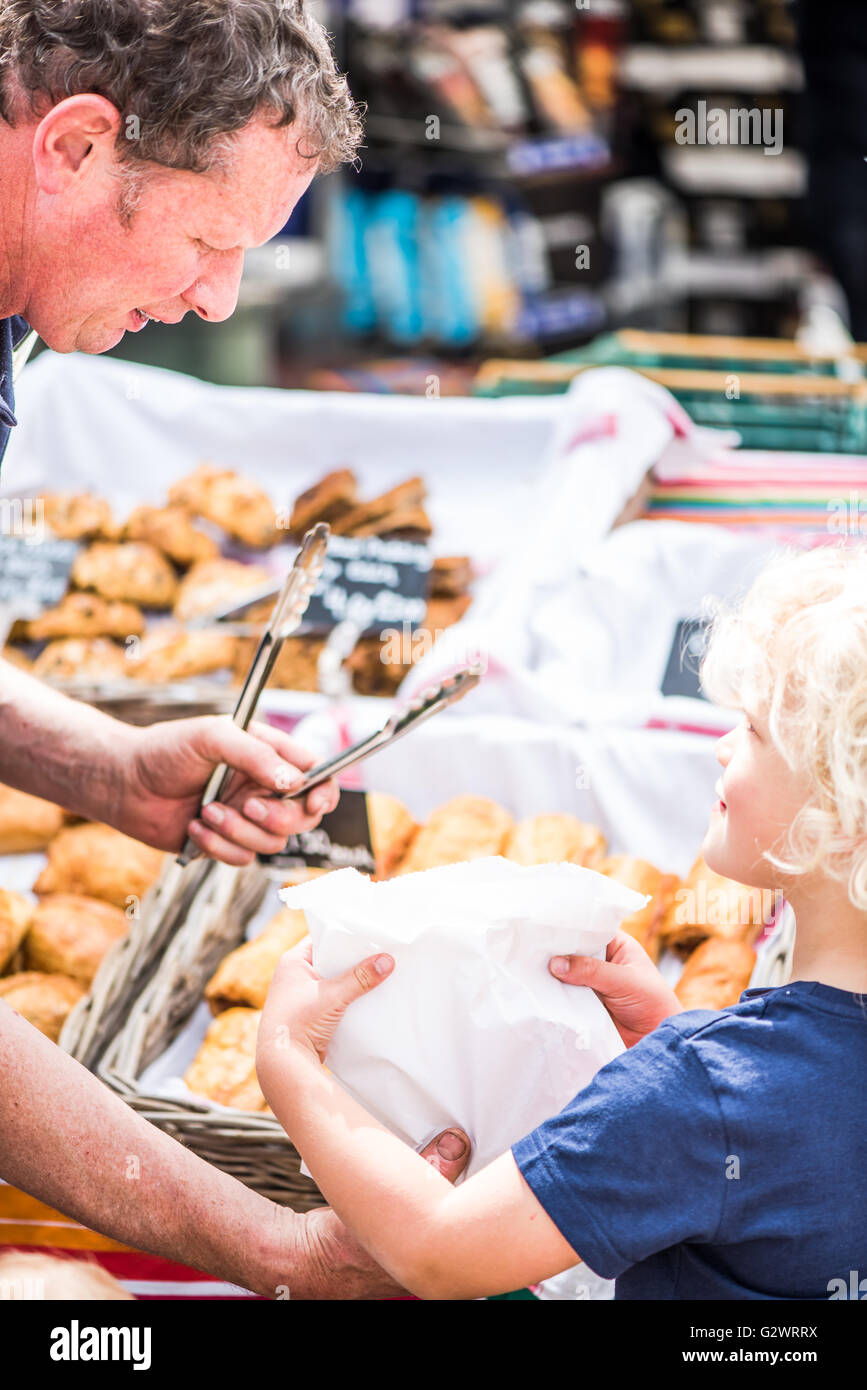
165, 769
627, 982
337, 1266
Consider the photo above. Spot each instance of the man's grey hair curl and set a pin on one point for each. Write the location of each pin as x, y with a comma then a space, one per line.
184, 76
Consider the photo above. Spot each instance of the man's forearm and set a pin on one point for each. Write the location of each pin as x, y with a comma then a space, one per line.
59, 748
68, 1140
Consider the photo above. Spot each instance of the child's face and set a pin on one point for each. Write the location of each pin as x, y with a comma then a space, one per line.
760, 796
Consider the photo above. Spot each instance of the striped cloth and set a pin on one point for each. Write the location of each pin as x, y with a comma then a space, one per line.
26, 1223
813, 497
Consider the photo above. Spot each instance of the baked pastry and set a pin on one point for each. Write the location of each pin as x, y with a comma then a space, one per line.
16, 914
224, 1069
69, 935
130, 570
26, 822
96, 861
246, 973
404, 497
216, 583
392, 830
171, 530
78, 516
402, 521
71, 657
46, 1001
236, 504
331, 498
467, 827
716, 974
443, 612
170, 655
450, 576
644, 878
555, 839
707, 904
86, 615
296, 667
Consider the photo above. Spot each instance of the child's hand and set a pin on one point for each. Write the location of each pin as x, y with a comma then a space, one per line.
627, 982
302, 1010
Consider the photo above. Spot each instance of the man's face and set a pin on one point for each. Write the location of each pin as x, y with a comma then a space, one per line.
760, 796
183, 249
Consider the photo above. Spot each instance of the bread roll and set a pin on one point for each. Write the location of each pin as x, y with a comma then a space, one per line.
95, 861
16, 914
644, 878
716, 974
392, 830
555, 839
245, 975
224, 1069
27, 822
467, 827
708, 905
70, 935
46, 1001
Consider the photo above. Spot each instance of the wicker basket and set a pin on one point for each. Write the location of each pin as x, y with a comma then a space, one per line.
251, 1147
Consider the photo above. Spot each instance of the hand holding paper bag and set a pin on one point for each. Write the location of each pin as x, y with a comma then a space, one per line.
470, 1028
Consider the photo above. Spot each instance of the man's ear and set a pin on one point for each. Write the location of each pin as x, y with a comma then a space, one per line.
75, 136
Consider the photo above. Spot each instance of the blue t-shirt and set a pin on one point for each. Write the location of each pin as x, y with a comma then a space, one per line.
12, 332
722, 1157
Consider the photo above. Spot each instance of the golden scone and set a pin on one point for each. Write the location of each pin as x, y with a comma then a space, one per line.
644, 878
133, 571
392, 830
332, 497
246, 973
707, 904
224, 1068
467, 827
78, 516
296, 668
96, 861
26, 822
171, 530
405, 496
86, 615
236, 504
70, 657
171, 655
214, 584
716, 974
555, 839
16, 914
46, 1001
69, 935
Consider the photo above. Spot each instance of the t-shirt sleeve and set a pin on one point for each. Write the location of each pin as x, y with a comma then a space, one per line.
637, 1161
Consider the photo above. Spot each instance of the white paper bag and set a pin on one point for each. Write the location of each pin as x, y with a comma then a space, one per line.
470, 1029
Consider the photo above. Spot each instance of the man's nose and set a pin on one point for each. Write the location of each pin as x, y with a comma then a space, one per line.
214, 296
723, 750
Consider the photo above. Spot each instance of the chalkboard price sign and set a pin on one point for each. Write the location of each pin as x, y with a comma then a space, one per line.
372, 583
34, 576
687, 649
341, 840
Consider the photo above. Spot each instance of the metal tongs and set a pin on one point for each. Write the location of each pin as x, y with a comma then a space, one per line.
285, 619
426, 704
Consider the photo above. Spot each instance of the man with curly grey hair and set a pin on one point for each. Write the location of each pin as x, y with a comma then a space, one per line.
144, 146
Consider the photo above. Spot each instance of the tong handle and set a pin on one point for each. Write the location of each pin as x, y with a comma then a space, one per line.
430, 702
288, 611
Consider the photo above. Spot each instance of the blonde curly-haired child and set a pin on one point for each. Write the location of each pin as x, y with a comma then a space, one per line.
722, 1155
